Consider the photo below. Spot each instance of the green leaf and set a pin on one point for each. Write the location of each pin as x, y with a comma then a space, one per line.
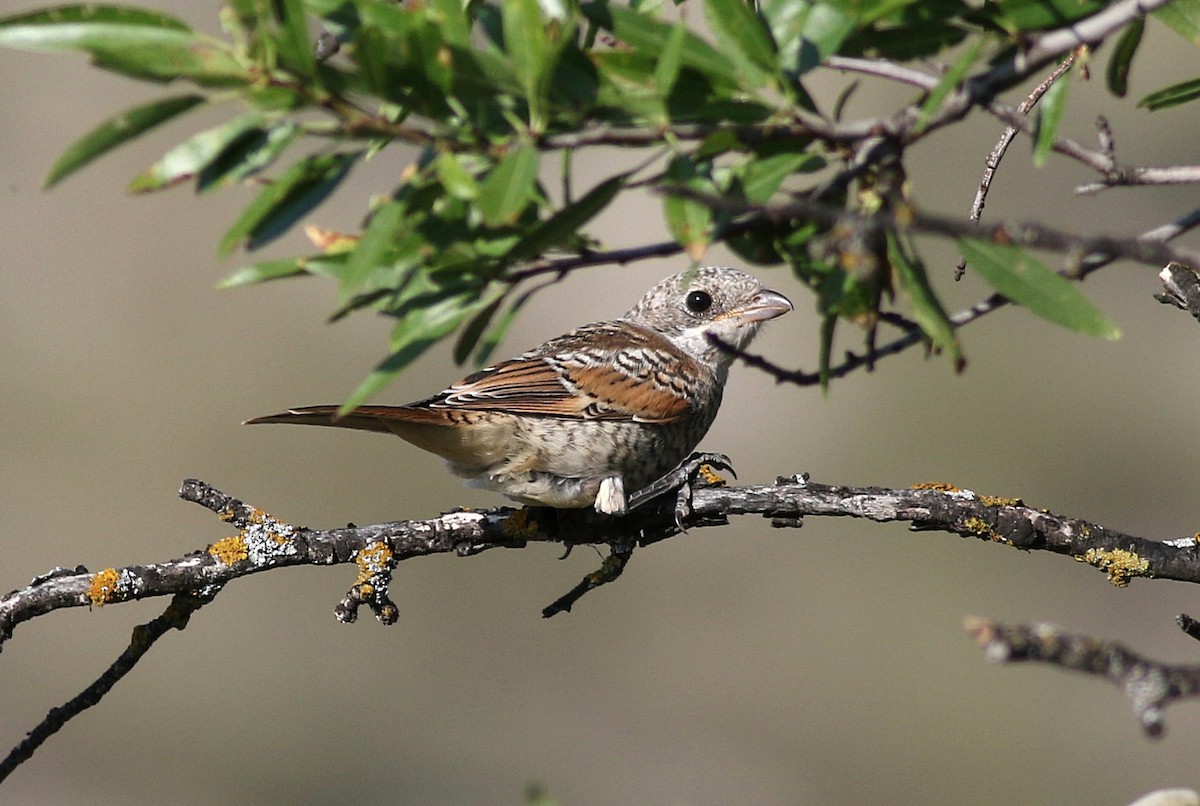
248, 154
1183, 17
1017, 275
474, 329
1032, 15
927, 309
374, 249
1049, 118
423, 326
192, 155
762, 176
1121, 60
95, 14
299, 189
115, 131
508, 188
323, 265
949, 81
456, 179
1173, 95
666, 68
648, 36
566, 222
147, 46
295, 48
741, 34
690, 221
529, 43
822, 33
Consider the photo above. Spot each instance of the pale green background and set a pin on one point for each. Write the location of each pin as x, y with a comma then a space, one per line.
747, 665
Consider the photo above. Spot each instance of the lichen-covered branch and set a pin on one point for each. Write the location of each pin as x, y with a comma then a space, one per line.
263, 542
1149, 685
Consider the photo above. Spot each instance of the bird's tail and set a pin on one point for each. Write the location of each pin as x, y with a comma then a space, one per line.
364, 418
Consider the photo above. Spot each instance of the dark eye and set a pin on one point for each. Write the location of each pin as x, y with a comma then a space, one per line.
698, 301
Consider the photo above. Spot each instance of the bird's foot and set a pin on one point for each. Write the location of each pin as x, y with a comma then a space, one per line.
697, 468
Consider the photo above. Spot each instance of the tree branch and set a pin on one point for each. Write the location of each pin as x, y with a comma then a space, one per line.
1149, 685
264, 542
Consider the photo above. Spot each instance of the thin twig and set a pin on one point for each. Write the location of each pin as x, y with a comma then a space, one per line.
1090, 263
1149, 685
175, 617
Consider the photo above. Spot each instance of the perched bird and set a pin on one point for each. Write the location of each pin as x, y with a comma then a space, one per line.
592, 416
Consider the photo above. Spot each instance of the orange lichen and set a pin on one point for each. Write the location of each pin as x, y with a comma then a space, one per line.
995, 501
373, 560
104, 587
708, 475
229, 550
940, 486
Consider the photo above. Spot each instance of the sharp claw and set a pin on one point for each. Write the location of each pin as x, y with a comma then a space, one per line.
680, 479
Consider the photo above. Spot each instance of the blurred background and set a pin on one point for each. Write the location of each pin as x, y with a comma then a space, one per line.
821, 666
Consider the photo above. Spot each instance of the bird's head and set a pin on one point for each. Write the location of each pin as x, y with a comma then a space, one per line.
692, 307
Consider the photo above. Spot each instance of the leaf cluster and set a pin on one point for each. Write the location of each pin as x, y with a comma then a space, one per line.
495, 100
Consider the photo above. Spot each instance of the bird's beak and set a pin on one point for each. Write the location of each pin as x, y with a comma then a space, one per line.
764, 305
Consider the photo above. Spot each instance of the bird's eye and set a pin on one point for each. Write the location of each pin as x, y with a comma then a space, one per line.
698, 301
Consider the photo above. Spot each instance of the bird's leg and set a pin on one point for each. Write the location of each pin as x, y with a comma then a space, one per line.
680, 479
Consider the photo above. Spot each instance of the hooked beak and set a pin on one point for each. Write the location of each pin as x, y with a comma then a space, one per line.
766, 304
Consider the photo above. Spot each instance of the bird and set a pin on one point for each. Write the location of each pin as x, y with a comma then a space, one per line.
593, 416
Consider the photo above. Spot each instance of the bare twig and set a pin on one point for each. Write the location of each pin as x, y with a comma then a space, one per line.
1149, 685
1027, 234
175, 617
997, 154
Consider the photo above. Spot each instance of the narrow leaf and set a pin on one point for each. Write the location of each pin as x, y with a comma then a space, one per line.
741, 34
115, 131
295, 48
414, 334
666, 67
762, 176
1050, 115
927, 309
320, 265
247, 155
301, 188
649, 36
1119, 64
1019, 276
508, 188
474, 329
373, 249
192, 155
151, 52
94, 14
566, 222
1173, 95
949, 81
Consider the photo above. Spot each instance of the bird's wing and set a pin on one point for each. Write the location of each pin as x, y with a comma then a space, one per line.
605, 371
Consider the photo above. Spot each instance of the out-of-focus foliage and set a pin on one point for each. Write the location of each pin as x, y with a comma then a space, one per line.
496, 95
